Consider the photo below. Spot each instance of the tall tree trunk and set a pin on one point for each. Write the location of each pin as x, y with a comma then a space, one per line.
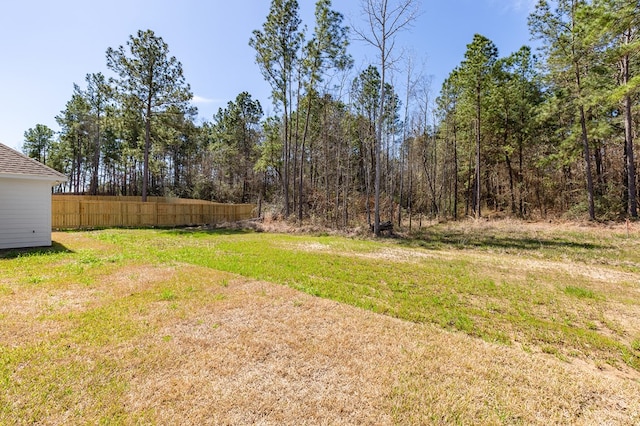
401, 187
586, 149
369, 166
632, 207
598, 156
587, 161
147, 145
478, 176
285, 154
305, 132
435, 193
455, 163
93, 189
511, 184
403, 142
383, 70
471, 185
300, 180
78, 164
345, 215
520, 178
376, 223
410, 195
296, 137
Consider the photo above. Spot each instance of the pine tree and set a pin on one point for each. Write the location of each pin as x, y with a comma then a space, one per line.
151, 80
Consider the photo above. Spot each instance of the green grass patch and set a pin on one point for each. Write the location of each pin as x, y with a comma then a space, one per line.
579, 292
167, 295
53, 377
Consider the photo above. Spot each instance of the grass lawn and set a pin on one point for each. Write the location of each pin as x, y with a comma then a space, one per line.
465, 323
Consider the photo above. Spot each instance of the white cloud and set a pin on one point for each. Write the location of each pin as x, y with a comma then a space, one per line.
202, 100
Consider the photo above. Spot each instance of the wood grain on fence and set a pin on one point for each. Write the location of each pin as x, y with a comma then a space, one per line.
79, 211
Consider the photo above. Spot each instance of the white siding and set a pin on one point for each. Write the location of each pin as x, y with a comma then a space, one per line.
25, 213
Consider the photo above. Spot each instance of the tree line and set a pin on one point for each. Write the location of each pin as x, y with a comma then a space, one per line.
530, 134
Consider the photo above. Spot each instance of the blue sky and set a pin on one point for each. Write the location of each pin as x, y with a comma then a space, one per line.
47, 46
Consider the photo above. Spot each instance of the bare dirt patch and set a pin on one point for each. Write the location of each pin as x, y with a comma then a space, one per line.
394, 254
594, 273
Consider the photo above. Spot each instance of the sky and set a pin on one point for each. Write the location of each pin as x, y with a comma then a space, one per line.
47, 46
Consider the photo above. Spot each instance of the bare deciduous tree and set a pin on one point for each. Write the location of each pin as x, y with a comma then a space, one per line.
384, 20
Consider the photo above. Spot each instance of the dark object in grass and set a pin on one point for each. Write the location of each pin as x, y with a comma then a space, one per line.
384, 226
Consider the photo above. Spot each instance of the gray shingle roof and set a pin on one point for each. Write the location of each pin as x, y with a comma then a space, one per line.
15, 164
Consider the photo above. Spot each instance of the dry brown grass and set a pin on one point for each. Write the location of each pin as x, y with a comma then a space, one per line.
270, 355
229, 350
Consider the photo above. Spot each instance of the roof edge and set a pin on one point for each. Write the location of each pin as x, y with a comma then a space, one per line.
54, 179
52, 174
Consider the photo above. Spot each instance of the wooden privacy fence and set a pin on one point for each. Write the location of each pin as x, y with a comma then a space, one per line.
79, 211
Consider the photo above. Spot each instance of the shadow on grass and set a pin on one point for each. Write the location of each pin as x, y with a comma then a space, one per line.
207, 231
169, 230
437, 239
34, 251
